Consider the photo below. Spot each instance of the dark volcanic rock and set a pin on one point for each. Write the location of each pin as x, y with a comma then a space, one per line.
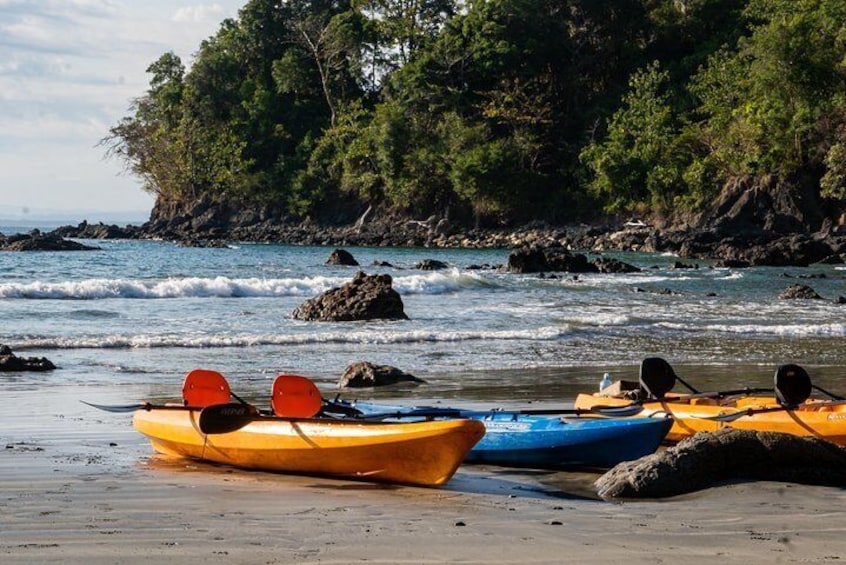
799, 291
833, 259
37, 241
431, 265
341, 257
527, 260
367, 297
767, 204
708, 458
732, 264
537, 260
99, 230
607, 265
204, 243
11, 362
365, 374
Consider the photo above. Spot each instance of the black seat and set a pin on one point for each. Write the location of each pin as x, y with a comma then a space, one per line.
657, 377
792, 385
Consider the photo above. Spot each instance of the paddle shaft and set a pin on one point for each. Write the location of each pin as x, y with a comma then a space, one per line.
733, 416
143, 406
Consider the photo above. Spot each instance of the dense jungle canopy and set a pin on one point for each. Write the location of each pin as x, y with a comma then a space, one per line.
496, 110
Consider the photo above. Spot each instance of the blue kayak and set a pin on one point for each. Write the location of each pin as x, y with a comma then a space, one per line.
519, 440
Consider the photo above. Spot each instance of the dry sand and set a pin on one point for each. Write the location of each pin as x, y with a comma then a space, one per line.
80, 486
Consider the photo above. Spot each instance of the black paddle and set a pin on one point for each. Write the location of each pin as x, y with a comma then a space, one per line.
427, 411
133, 407
792, 388
225, 418
122, 408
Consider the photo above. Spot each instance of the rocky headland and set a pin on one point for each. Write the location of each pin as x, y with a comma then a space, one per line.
751, 224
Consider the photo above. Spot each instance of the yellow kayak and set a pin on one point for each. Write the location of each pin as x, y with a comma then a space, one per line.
417, 453
819, 418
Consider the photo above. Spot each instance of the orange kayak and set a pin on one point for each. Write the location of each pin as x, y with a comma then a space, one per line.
416, 453
819, 418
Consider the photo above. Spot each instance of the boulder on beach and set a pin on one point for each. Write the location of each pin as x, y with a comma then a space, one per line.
9, 362
366, 297
706, 459
342, 257
363, 374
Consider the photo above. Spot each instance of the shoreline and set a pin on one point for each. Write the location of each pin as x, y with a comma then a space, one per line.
730, 247
81, 486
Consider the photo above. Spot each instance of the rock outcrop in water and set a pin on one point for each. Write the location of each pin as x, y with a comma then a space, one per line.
799, 292
342, 257
37, 241
363, 374
537, 259
10, 362
706, 459
431, 265
367, 297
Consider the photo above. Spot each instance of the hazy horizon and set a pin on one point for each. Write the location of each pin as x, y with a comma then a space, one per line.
69, 72
15, 216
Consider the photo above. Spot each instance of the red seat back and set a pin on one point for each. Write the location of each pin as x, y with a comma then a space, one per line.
203, 387
294, 396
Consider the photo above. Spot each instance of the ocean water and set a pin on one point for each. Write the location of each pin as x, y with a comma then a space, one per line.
128, 321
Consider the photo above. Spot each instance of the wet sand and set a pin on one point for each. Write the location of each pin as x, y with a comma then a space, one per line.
80, 486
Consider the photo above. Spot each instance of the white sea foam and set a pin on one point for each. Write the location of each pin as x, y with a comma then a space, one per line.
225, 287
353, 337
782, 330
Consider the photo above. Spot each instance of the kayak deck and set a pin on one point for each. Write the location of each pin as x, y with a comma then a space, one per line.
520, 440
417, 453
822, 419
540, 441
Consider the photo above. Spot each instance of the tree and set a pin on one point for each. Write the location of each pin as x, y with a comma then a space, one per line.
630, 164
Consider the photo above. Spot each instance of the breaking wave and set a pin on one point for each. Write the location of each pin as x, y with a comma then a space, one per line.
354, 337
225, 287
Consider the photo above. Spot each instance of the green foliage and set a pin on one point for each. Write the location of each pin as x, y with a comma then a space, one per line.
766, 103
634, 165
498, 110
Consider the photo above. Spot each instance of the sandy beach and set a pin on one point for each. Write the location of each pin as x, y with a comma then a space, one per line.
80, 486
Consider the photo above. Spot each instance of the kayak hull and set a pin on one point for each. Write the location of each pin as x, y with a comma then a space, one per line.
539, 441
418, 453
519, 440
824, 420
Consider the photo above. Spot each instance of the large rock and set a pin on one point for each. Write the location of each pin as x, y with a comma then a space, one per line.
342, 257
708, 458
367, 297
10, 362
365, 374
431, 265
799, 292
767, 204
614, 266
100, 230
36, 241
536, 259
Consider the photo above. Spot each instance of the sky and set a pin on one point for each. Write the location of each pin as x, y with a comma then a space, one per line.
69, 70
